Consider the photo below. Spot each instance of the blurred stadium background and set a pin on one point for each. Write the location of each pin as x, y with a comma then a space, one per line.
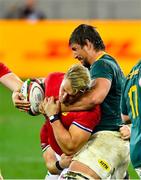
33, 48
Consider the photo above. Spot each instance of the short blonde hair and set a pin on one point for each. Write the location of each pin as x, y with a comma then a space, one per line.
79, 77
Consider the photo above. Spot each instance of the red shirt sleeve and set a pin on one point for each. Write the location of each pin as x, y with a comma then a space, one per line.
47, 138
3, 70
88, 120
44, 137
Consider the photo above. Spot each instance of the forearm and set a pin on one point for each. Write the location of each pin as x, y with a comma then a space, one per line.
50, 160
55, 167
12, 81
83, 104
93, 97
87, 102
52, 167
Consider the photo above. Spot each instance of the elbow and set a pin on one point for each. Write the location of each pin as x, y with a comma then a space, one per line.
70, 150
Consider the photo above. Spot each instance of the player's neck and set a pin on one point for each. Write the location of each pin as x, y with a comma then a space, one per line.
98, 55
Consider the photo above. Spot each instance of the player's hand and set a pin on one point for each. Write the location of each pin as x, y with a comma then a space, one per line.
125, 132
41, 108
20, 102
65, 161
51, 107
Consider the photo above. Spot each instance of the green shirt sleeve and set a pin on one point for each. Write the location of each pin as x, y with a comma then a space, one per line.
123, 105
102, 69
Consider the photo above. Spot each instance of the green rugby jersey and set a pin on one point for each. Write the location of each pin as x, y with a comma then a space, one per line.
107, 67
131, 106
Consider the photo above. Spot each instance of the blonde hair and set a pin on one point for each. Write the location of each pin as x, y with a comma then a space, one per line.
79, 77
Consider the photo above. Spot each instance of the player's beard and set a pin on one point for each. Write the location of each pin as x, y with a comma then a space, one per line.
72, 99
69, 101
86, 63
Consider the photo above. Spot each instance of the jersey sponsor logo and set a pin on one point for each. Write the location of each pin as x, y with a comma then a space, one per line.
65, 113
104, 165
133, 73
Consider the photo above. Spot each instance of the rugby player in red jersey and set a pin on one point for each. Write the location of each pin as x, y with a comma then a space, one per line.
66, 133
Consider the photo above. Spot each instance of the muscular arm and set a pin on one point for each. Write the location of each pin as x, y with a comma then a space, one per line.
70, 141
12, 81
50, 160
92, 98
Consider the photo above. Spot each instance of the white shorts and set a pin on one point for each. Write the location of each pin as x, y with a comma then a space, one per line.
106, 154
51, 177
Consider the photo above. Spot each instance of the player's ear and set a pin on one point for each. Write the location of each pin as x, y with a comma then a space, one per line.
88, 44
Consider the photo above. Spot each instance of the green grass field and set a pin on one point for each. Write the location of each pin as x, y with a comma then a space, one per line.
20, 153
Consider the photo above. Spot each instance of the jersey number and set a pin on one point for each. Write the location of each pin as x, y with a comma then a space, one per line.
133, 96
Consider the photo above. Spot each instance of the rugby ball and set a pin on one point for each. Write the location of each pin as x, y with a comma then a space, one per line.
34, 93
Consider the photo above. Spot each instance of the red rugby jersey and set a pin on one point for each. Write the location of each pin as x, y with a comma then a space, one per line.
86, 120
3, 70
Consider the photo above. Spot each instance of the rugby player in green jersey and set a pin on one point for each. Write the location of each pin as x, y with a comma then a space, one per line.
131, 110
107, 155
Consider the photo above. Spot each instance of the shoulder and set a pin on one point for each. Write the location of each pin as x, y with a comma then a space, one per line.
52, 84
54, 77
103, 62
101, 69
